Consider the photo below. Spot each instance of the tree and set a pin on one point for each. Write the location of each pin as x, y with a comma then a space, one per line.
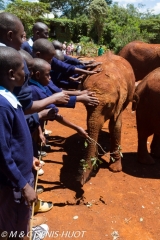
98, 13
28, 12
71, 8
2, 5
124, 25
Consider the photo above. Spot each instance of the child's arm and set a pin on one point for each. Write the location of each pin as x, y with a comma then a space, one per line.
81, 71
41, 135
77, 79
67, 123
85, 96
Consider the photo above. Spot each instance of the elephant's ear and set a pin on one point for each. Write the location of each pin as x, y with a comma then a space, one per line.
122, 96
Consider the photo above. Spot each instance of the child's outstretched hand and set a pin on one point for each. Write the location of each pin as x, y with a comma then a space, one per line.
95, 71
94, 64
82, 132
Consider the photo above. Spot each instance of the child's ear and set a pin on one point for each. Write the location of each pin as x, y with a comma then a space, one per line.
10, 35
11, 75
37, 33
38, 54
37, 74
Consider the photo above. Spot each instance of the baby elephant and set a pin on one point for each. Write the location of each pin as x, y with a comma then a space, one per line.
146, 102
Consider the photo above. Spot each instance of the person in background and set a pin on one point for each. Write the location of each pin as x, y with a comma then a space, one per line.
100, 51
78, 50
64, 47
72, 48
68, 52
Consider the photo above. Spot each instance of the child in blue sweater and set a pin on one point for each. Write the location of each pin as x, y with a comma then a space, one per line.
41, 78
16, 155
44, 49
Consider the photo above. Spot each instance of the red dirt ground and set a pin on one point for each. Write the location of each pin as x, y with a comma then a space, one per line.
110, 206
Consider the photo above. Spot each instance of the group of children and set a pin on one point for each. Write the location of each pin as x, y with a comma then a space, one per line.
28, 97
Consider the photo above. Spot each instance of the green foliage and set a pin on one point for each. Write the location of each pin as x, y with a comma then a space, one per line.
98, 13
90, 22
28, 12
123, 25
71, 8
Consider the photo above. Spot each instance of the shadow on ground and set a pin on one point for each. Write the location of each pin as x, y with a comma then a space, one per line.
75, 148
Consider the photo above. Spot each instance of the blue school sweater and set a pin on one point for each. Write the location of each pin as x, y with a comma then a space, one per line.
61, 67
16, 154
24, 93
73, 61
25, 46
39, 93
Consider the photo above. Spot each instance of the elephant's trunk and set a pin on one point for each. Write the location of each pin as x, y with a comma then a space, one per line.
95, 121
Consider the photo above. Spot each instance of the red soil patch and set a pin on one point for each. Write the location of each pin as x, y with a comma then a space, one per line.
127, 202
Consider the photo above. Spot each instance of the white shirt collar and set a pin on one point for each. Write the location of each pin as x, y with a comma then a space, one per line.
2, 44
10, 97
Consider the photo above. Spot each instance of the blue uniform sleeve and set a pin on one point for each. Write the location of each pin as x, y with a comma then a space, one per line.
32, 121
25, 46
61, 67
71, 60
7, 165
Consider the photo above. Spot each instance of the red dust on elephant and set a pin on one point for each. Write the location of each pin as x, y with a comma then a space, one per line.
143, 57
114, 88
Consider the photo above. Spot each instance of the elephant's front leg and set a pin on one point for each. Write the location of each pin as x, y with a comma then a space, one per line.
115, 134
95, 121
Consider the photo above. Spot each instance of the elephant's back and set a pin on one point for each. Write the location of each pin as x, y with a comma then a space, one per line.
147, 97
143, 57
117, 73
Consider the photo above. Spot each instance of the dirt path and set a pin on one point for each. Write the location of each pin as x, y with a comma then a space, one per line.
123, 205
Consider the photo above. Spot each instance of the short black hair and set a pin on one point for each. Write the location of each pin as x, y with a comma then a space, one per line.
39, 26
43, 46
38, 64
9, 59
26, 56
8, 22
59, 55
57, 44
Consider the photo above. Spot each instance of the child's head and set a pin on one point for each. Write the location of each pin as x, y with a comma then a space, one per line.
57, 45
40, 30
59, 55
11, 30
11, 68
42, 48
28, 58
41, 71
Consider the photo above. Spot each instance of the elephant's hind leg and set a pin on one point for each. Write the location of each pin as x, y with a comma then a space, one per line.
143, 155
115, 164
155, 146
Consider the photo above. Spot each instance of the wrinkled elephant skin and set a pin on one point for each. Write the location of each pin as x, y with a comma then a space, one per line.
143, 57
147, 106
114, 87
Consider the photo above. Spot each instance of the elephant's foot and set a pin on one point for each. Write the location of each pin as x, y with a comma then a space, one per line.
115, 166
84, 175
145, 159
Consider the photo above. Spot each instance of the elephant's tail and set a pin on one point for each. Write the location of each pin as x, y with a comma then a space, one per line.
135, 101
